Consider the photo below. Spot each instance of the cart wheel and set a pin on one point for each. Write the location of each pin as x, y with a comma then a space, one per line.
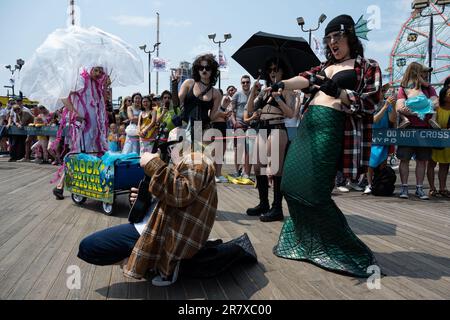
108, 208
79, 200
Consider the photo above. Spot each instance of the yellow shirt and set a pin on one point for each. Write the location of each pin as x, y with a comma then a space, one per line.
145, 121
442, 156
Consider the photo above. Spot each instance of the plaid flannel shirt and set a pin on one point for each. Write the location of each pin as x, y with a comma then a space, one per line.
359, 120
181, 221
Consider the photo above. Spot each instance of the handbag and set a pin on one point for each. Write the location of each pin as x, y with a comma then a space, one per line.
132, 130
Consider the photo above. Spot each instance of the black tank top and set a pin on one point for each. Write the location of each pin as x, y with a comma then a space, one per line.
196, 109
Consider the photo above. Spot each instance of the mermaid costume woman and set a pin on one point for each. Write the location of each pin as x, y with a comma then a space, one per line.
317, 230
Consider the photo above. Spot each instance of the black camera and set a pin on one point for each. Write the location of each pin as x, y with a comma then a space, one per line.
144, 198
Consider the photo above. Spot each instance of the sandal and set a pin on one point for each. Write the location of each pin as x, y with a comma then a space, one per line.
444, 193
434, 193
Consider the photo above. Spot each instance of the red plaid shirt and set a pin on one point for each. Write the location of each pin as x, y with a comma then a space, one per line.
359, 121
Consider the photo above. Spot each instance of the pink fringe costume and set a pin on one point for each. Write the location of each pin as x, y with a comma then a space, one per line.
89, 102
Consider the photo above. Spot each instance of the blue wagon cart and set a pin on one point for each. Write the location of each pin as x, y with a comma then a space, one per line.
101, 179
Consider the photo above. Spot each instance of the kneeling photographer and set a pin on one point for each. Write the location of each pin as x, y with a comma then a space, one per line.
182, 207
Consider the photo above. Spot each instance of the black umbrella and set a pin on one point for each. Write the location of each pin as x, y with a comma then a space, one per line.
294, 51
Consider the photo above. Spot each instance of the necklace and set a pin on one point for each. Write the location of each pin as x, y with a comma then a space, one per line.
205, 84
342, 61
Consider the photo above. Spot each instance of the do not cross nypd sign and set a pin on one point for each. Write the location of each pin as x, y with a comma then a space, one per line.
412, 137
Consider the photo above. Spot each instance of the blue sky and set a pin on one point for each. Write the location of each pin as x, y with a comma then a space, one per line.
25, 24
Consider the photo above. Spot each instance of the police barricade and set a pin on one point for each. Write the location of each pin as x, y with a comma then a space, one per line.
32, 131
412, 137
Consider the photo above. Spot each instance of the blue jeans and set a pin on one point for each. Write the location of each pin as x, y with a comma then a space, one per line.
109, 246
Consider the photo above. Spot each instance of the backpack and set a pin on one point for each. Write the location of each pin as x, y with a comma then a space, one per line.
383, 184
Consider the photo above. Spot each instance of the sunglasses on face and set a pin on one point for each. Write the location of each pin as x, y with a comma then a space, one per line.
245, 82
274, 69
206, 68
336, 36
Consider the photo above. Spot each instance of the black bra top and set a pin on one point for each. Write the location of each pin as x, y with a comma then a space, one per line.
274, 103
346, 79
197, 109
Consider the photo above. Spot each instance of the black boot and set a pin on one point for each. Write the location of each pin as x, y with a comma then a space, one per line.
262, 183
276, 213
58, 193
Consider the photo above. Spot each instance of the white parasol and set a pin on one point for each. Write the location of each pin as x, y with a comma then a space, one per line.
54, 70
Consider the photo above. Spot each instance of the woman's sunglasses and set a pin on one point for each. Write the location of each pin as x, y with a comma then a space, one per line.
336, 36
274, 69
206, 68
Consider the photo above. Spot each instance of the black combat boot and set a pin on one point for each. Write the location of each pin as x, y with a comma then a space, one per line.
262, 183
276, 213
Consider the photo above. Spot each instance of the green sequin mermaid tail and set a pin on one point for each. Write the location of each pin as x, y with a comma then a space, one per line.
317, 230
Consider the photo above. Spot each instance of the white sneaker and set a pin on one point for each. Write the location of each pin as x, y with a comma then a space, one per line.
343, 189
368, 190
38, 161
160, 281
354, 186
404, 192
222, 179
245, 176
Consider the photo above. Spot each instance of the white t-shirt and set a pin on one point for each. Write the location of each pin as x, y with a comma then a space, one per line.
141, 225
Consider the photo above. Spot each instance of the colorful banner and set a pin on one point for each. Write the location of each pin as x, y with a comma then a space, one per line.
160, 65
317, 48
87, 176
223, 63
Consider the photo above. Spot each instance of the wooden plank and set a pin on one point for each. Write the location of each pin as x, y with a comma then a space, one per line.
213, 290
48, 277
176, 291
229, 286
193, 289
39, 239
59, 290
87, 270
118, 286
40, 264
14, 265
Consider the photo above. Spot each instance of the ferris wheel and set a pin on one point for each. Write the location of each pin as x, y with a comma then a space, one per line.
413, 44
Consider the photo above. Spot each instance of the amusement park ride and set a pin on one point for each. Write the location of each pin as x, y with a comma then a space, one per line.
423, 38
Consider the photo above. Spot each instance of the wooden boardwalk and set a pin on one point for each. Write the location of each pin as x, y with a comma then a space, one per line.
39, 240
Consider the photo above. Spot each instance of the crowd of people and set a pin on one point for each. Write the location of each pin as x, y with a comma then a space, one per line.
134, 127
303, 136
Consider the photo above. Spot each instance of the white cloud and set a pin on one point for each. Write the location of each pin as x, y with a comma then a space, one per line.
204, 45
134, 21
140, 21
202, 49
380, 46
403, 5
177, 23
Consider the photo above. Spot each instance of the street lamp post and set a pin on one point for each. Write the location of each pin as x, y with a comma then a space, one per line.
213, 38
19, 64
144, 48
301, 22
420, 5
